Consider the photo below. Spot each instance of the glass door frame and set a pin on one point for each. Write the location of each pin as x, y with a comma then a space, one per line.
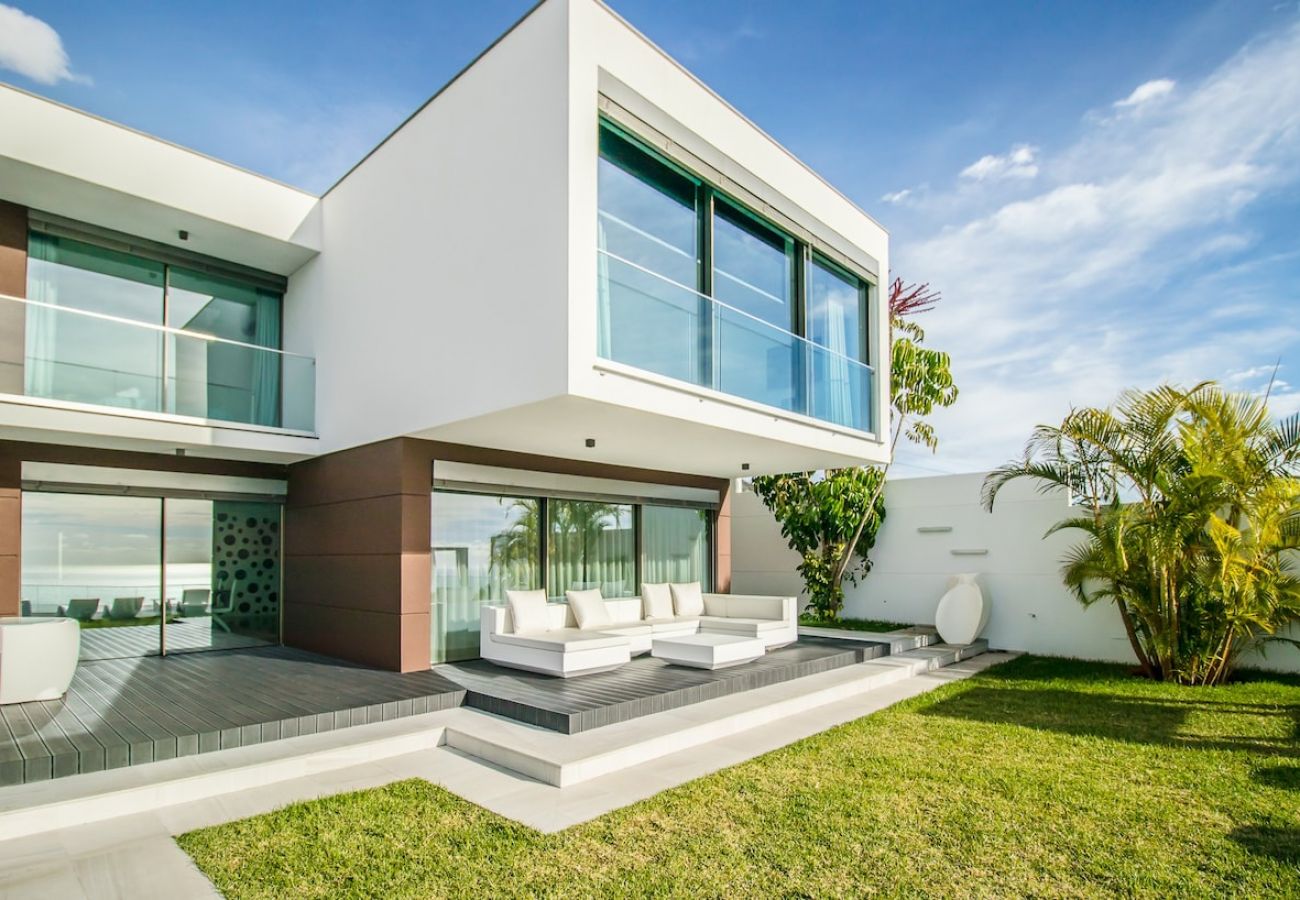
162, 496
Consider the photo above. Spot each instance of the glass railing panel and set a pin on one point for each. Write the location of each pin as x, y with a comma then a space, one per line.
654, 324
649, 322
88, 359
839, 389
757, 361
80, 356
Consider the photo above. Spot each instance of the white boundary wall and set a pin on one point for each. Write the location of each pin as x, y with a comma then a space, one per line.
1019, 570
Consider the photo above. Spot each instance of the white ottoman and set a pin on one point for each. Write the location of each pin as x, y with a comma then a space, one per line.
707, 650
38, 657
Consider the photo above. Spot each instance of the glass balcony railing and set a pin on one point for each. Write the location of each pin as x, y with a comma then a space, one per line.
78, 356
655, 324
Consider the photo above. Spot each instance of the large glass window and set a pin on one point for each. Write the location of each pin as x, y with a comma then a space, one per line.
675, 544
483, 545
88, 359
754, 275
117, 362
837, 309
694, 286
649, 258
486, 544
230, 381
590, 544
119, 564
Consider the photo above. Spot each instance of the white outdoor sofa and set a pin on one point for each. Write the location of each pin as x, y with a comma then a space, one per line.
565, 650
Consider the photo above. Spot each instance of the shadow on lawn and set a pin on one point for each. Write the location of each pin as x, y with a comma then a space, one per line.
1286, 778
1282, 844
1133, 719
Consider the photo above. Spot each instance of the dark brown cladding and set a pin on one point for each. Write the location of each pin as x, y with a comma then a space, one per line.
357, 543
13, 281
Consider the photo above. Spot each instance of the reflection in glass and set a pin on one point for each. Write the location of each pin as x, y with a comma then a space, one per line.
482, 546
223, 574
647, 216
96, 559
753, 274
590, 544
86, 359
675, 542
836, 321
216, 380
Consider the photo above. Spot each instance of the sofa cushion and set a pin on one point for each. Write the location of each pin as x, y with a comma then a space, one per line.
589, 609
528, 611
563, 640
657, 601
688, 599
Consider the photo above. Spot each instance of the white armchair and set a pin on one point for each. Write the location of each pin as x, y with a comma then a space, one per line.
38, 657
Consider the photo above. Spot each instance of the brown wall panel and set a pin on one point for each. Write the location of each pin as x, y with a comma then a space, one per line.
365, 582
357, 543
363, 636
13, 281
11, 525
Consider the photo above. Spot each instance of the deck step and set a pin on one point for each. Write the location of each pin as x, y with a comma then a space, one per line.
900, 640
564, 760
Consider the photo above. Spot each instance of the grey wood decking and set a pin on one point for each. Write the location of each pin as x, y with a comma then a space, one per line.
122, 712
640, 688
128, 711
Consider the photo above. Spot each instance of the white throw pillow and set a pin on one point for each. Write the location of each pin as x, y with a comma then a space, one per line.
657, 601
589, 609
688, 598
528, 611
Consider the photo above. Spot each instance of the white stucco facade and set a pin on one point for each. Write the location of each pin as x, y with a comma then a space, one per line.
935, 528
447, 285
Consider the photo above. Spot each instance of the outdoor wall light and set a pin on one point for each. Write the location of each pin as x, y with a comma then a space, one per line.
590, 442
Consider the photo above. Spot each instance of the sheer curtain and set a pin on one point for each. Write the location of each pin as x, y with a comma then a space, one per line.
590, 544
266, 367
675, 543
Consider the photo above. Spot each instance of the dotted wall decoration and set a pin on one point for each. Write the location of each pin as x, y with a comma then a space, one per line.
246, 567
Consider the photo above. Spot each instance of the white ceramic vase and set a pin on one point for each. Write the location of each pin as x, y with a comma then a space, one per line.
963, 611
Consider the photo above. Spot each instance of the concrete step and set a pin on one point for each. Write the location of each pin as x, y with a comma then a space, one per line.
564, 760
912, 638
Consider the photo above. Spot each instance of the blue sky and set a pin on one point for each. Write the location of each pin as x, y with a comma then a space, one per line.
1107, 194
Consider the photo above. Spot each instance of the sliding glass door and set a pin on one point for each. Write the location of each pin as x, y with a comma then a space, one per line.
590, 544
485, 544
148, 575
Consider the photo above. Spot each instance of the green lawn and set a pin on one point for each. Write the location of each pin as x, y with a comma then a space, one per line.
851, 624
1039, 777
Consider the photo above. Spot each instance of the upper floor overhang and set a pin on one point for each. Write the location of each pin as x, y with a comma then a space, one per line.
63, 161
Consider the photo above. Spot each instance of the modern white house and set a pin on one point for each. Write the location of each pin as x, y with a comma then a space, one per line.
528, 342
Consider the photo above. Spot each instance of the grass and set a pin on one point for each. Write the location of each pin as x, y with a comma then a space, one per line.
1039, 777
125, 623
851, 624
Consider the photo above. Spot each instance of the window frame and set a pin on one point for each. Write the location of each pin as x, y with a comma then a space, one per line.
805, 254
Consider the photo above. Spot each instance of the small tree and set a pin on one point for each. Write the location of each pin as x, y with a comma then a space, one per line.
831, 518
1189, 503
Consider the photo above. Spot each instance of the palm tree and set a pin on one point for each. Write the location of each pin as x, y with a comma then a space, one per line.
1191, 507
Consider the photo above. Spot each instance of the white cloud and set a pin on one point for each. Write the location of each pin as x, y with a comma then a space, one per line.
897, 196
1112, 273
1146, 92
1019, 163
32, 48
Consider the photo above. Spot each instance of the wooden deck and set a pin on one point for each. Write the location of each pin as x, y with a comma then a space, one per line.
640, 688
129, 711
